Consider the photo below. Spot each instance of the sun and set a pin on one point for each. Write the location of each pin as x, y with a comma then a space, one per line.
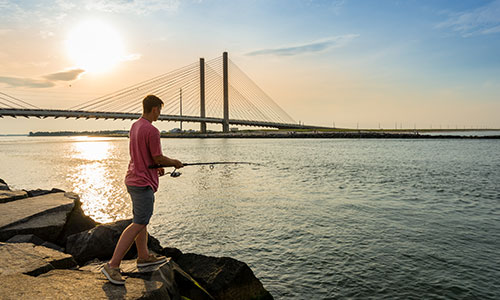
95, 46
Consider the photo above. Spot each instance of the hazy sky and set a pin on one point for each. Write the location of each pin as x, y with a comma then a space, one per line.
373, 63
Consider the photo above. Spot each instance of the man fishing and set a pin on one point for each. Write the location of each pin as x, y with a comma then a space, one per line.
142, 183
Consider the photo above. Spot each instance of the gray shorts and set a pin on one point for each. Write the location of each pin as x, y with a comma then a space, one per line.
143, 199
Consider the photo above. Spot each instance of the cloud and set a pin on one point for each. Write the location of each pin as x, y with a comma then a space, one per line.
337, 5
11, 11
52, 13
26, 82
140, 7
68, 75
313, 47
45, 81
479, 21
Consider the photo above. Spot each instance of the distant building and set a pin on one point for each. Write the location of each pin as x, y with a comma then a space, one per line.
175, 130
234, 129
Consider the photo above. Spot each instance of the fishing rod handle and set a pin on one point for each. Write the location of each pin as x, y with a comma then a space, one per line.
156, 166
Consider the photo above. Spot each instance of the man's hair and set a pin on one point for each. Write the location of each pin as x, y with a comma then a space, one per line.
149, 102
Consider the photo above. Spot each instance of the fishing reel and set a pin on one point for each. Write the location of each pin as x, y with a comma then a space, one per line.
175, 174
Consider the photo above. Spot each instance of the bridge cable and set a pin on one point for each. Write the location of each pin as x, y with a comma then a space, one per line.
19, 100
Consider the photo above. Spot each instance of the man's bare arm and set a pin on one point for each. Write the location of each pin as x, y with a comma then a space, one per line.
167, 162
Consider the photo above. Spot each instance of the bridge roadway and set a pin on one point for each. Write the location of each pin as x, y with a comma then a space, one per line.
79, 114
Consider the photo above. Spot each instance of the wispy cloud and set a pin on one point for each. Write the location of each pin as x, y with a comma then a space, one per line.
479, 21
45, 81
141, 7
313, 47
26, 82
337, 5
52, 14
11, 11
68, 75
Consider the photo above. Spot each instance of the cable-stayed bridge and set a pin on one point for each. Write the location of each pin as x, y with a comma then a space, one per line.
215, 91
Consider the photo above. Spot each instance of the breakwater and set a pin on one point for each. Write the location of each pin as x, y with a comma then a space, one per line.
325, 135
274, 134
51, 249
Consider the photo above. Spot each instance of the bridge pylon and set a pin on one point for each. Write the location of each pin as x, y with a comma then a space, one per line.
225, 122
203, 125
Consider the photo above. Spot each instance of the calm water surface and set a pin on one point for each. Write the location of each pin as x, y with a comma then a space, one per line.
319, 219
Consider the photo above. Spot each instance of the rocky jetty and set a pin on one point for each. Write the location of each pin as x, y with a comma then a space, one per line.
51, 249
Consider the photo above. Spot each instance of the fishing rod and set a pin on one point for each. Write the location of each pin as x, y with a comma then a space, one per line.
174, 173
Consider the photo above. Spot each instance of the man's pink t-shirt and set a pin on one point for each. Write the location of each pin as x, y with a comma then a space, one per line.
144, 145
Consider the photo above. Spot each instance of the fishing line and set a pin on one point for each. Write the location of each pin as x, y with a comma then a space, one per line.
174, 173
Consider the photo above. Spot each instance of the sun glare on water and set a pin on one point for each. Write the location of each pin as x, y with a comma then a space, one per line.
95, 46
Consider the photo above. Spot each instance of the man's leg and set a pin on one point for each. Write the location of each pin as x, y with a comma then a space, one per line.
141, 242
126, 240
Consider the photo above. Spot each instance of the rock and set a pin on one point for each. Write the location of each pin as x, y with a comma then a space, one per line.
77, 221
8, 195
100, 242
44, 216
172, 275
27, 258
224, 277
33, 239
52, 246
26, 238
40, 192
75, 284
178, 282
188, 286
174, 253
154, 244
57, 259
3, 185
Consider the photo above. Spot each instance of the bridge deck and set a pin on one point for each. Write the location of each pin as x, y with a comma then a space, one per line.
80, 114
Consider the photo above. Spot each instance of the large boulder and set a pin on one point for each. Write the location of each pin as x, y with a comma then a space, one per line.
44, 216
76, 222
30, 259
100, 241
75, 284
223, 277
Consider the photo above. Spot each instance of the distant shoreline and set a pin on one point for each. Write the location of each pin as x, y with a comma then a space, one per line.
338, 133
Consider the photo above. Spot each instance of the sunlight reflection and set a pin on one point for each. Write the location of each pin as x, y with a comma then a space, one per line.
91, 149
96, 180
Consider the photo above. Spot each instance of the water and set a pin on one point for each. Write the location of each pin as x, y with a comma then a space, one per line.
473, 133
320, 219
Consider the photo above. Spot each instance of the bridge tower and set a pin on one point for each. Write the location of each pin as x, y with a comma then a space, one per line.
203, 125
225, 122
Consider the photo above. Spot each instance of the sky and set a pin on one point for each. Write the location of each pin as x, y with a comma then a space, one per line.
343, 63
